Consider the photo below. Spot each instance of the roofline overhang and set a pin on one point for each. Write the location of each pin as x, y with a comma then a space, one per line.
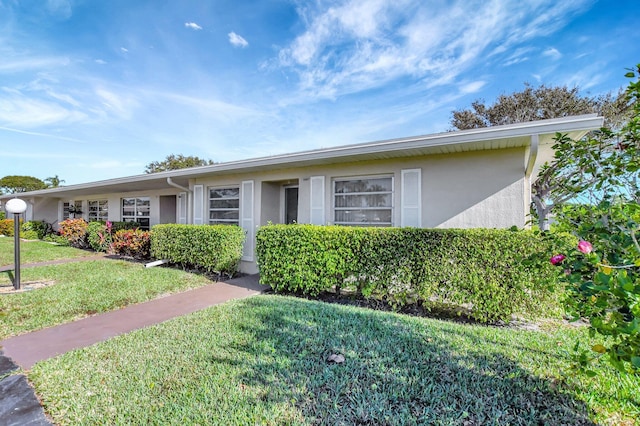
581, 124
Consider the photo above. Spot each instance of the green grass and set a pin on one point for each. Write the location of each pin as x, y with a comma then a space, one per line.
36, 251
82, 289
262, 361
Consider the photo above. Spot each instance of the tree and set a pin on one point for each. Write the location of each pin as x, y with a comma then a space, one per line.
15, 184
176, 162
556, 183
53, 182
603, 272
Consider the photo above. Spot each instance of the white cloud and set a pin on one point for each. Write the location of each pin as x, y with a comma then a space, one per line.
124, 50
472, 87
100, 61
40, 135
193, 26
552, 53
18, 110
237, 41
15, 65
118, 104
362, 44
206, 107
60, 8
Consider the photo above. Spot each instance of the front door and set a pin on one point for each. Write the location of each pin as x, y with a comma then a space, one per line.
290, 204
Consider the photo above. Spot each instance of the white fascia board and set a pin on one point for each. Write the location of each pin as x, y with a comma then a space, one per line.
581, 123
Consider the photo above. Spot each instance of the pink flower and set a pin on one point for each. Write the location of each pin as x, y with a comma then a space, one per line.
585, 247
557, 259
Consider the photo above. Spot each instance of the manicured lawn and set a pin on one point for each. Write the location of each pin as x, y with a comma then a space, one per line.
262, 361
36, 251
84, 288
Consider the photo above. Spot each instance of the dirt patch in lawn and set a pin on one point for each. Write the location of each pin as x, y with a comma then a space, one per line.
25, 286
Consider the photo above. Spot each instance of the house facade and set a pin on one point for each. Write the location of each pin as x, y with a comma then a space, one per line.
465, 179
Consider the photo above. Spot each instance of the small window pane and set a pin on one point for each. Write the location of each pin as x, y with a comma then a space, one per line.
224, 193
224, 204
378, 200
228, 215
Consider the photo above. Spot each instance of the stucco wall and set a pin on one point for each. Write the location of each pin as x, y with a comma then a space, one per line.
485, 189
50, 209
479, 189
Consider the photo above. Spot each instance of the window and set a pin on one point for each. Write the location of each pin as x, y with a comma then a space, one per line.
224, 206
72, 210
98, 210
363, 201
137, 210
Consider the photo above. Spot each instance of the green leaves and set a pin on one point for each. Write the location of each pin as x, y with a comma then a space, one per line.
214, 248
604, 286
494, 273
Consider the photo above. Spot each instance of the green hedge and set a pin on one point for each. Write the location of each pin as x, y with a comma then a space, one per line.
496, 273
33, 230
214, 248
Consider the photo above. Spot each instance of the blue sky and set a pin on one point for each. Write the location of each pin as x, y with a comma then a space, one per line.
97, 89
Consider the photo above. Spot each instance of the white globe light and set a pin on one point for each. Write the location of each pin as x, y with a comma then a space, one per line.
15, 206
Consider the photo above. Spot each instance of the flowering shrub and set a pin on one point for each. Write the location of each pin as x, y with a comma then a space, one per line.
75, 231
99, 236
133, 243
6, 227
602, 273
609, 295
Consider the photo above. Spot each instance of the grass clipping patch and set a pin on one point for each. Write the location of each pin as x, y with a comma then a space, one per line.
271, 360
25, 286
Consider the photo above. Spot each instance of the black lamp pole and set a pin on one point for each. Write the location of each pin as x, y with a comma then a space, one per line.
16, 250
16, 206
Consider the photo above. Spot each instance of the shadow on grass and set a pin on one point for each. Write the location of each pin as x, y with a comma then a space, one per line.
397, 370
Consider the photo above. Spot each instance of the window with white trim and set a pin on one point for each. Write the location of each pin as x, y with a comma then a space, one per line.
224, 206
137, 209
366, 201
98, 210
72, 210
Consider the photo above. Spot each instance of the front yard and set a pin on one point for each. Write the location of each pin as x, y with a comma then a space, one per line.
37, 251
263, 360
75, 290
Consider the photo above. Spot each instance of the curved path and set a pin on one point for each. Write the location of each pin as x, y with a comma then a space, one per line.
18, 403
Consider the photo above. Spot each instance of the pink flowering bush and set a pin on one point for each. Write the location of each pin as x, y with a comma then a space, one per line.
134, 243
602, 273
99, 236
585, 247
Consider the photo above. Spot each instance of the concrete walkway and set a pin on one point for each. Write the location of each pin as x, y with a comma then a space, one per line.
18, 403
27, 349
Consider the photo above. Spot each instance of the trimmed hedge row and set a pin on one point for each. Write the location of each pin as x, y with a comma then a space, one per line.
214, 248
496, 273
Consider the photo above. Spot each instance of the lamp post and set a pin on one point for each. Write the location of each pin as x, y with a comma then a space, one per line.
16, 206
